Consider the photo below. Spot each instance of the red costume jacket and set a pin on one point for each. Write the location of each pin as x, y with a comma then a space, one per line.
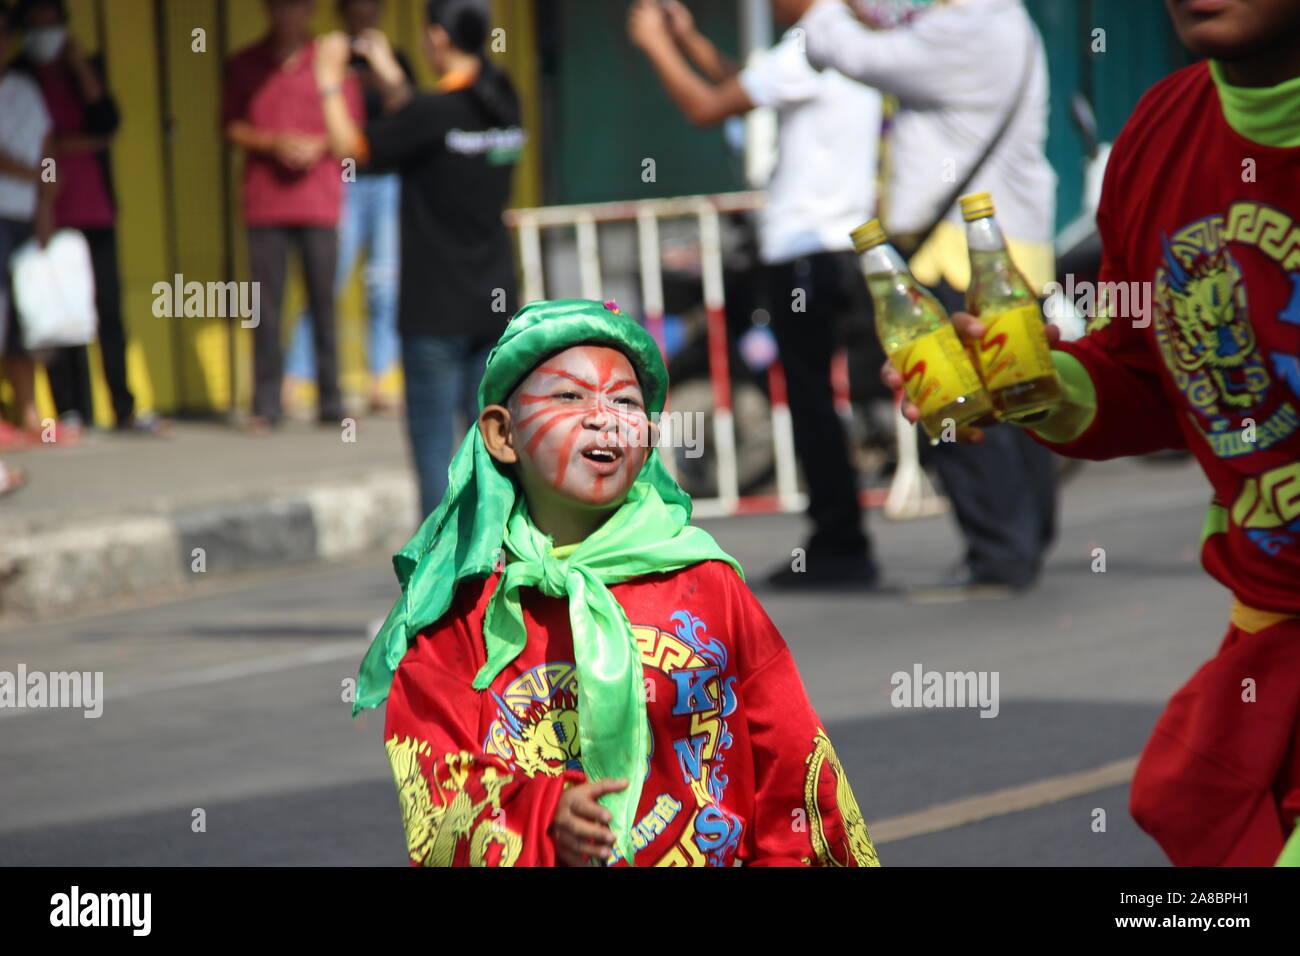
740, 771
1211, 221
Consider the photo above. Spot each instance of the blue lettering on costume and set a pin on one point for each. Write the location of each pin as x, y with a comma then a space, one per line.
690, 755
692, 695
717, 834
728, 696
655, 822
1228, 442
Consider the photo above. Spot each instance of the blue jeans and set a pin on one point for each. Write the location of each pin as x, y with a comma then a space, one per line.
442, 375
369, 219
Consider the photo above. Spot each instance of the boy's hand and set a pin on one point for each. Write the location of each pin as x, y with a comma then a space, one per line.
581, 825
970, 330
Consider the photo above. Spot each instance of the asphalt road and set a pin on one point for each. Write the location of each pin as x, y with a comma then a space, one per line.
228, 700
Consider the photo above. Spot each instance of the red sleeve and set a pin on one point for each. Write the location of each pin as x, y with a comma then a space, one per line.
1134, 415
460, 806
804, 810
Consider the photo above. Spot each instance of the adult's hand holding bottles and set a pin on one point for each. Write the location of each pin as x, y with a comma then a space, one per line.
970, 330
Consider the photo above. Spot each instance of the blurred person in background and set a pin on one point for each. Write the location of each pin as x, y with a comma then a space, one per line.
368, 223
455, 150
823, 187
85, 120
961, 69
26, 207
293, 188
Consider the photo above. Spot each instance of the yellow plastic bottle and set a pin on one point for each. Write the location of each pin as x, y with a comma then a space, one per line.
1013, 358
919, 338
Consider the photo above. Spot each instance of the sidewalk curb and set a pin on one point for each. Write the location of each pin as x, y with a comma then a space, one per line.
55, 569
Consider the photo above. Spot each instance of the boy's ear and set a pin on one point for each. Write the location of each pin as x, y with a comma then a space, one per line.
494, 426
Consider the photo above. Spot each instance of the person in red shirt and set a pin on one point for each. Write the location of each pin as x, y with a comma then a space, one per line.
293, 188
1201, 204
574, 675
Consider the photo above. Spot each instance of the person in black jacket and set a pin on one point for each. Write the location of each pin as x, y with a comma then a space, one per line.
85, 120
455, 150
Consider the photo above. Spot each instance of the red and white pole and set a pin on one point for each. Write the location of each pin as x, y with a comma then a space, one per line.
724, 426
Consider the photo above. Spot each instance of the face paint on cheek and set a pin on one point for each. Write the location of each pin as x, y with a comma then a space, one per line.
534, 429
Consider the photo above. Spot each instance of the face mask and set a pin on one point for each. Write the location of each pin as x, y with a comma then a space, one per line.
44, 44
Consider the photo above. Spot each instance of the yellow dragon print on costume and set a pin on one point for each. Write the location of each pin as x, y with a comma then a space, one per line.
1208, 342
826, 786
537, 730
434, 830
1203, 326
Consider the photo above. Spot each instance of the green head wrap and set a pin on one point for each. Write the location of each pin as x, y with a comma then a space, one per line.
482, 519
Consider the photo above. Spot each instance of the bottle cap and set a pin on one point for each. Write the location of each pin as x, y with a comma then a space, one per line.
976, 206
867, 235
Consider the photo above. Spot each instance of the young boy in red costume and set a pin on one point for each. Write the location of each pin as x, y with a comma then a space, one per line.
578, 676
1202, 200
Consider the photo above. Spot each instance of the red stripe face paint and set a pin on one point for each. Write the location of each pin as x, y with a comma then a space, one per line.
580, 425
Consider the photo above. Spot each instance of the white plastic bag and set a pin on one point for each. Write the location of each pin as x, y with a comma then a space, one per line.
54, 291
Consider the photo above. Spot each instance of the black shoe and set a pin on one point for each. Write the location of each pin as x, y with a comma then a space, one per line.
962, 584
819, 572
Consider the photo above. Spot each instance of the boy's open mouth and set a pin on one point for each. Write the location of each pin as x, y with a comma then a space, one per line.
604, 460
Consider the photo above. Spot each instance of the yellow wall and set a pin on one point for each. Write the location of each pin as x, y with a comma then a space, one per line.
178, 187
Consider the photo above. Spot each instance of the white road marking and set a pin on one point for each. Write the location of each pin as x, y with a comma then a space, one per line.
997, 803
218, 674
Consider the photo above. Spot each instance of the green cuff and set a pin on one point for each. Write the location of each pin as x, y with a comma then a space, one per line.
1291, 852
1077, 410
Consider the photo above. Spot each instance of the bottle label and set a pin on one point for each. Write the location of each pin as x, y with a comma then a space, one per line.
936, 370
1014, 349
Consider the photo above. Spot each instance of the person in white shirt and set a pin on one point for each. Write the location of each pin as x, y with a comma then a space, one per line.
959, 69
823, 187
26, 207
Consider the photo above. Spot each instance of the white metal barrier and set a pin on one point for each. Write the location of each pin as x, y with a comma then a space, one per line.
910, 494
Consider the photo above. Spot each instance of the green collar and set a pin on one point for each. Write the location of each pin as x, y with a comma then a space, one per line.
1268, 115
